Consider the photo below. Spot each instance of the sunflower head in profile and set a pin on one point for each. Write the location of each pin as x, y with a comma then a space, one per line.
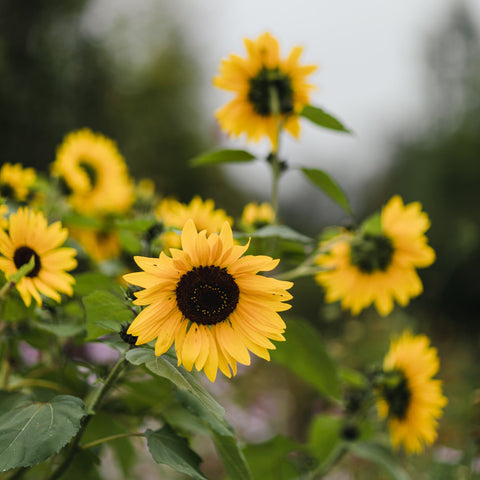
29, 236
263, 82
174, 214
408, 395
208, 300
16, 182
256, 215
94, 173
378, 265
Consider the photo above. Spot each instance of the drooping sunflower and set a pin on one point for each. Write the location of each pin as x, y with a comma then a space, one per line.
409, 397
174, 214
30, 235
378, 266
208, 299
94, 172
259, 81
16, 182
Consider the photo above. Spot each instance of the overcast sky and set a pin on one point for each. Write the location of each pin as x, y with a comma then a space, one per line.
370, 54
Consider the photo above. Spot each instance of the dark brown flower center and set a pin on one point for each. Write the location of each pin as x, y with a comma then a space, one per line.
261, 87
207, 295
371, 252
23, 255
90, 171
396, 391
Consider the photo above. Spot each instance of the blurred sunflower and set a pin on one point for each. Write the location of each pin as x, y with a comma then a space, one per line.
16, 182
210, 302
260, 81
29, 235
99, 245
378, 266
174, 214
409, 397
3, 215
94, 172
256, 216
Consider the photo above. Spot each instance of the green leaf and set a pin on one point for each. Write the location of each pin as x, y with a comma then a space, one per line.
323, 119
194, 406
59, 330
380, 455
164, 367
324, 437
373, 224
269, 461
221, 156
105, 313
23, 270
138, 225
326, 183
31, 432
232, 457
167, 447
130, 242
88, 282
304, 353
281, 231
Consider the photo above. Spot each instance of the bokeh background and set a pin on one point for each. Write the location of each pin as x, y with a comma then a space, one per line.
404, 76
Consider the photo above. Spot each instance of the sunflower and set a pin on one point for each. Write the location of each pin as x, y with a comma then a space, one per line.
3, 215
408, 395
94, 172
16, 182
174, 214
378, 266
256, 216
99, 245
210, 302
30, 235
256, 80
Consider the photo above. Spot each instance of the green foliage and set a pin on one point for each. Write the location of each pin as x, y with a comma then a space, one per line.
304, 353
380, 455
105, 313
323, 119
31, 432
232, 457
324, 438
23, 270
167, 447
222, 156
324, 182
274, 459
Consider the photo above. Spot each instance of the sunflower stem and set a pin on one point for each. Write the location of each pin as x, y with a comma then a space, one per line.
5, 290
273, 157
90, 407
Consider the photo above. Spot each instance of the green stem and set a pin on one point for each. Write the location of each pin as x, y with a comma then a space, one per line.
110, 438
90, 406
323, 469
5, 290
274, 159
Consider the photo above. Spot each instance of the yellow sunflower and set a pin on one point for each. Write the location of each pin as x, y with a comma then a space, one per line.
378, 266
30, 235
16, 182
409, 397
256, 216
174, 214
256, 80
99, 245
94, 172
3, 215
210, 302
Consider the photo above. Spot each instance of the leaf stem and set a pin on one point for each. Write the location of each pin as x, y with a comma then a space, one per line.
110, 438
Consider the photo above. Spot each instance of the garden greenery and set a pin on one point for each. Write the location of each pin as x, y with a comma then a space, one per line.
119, 309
